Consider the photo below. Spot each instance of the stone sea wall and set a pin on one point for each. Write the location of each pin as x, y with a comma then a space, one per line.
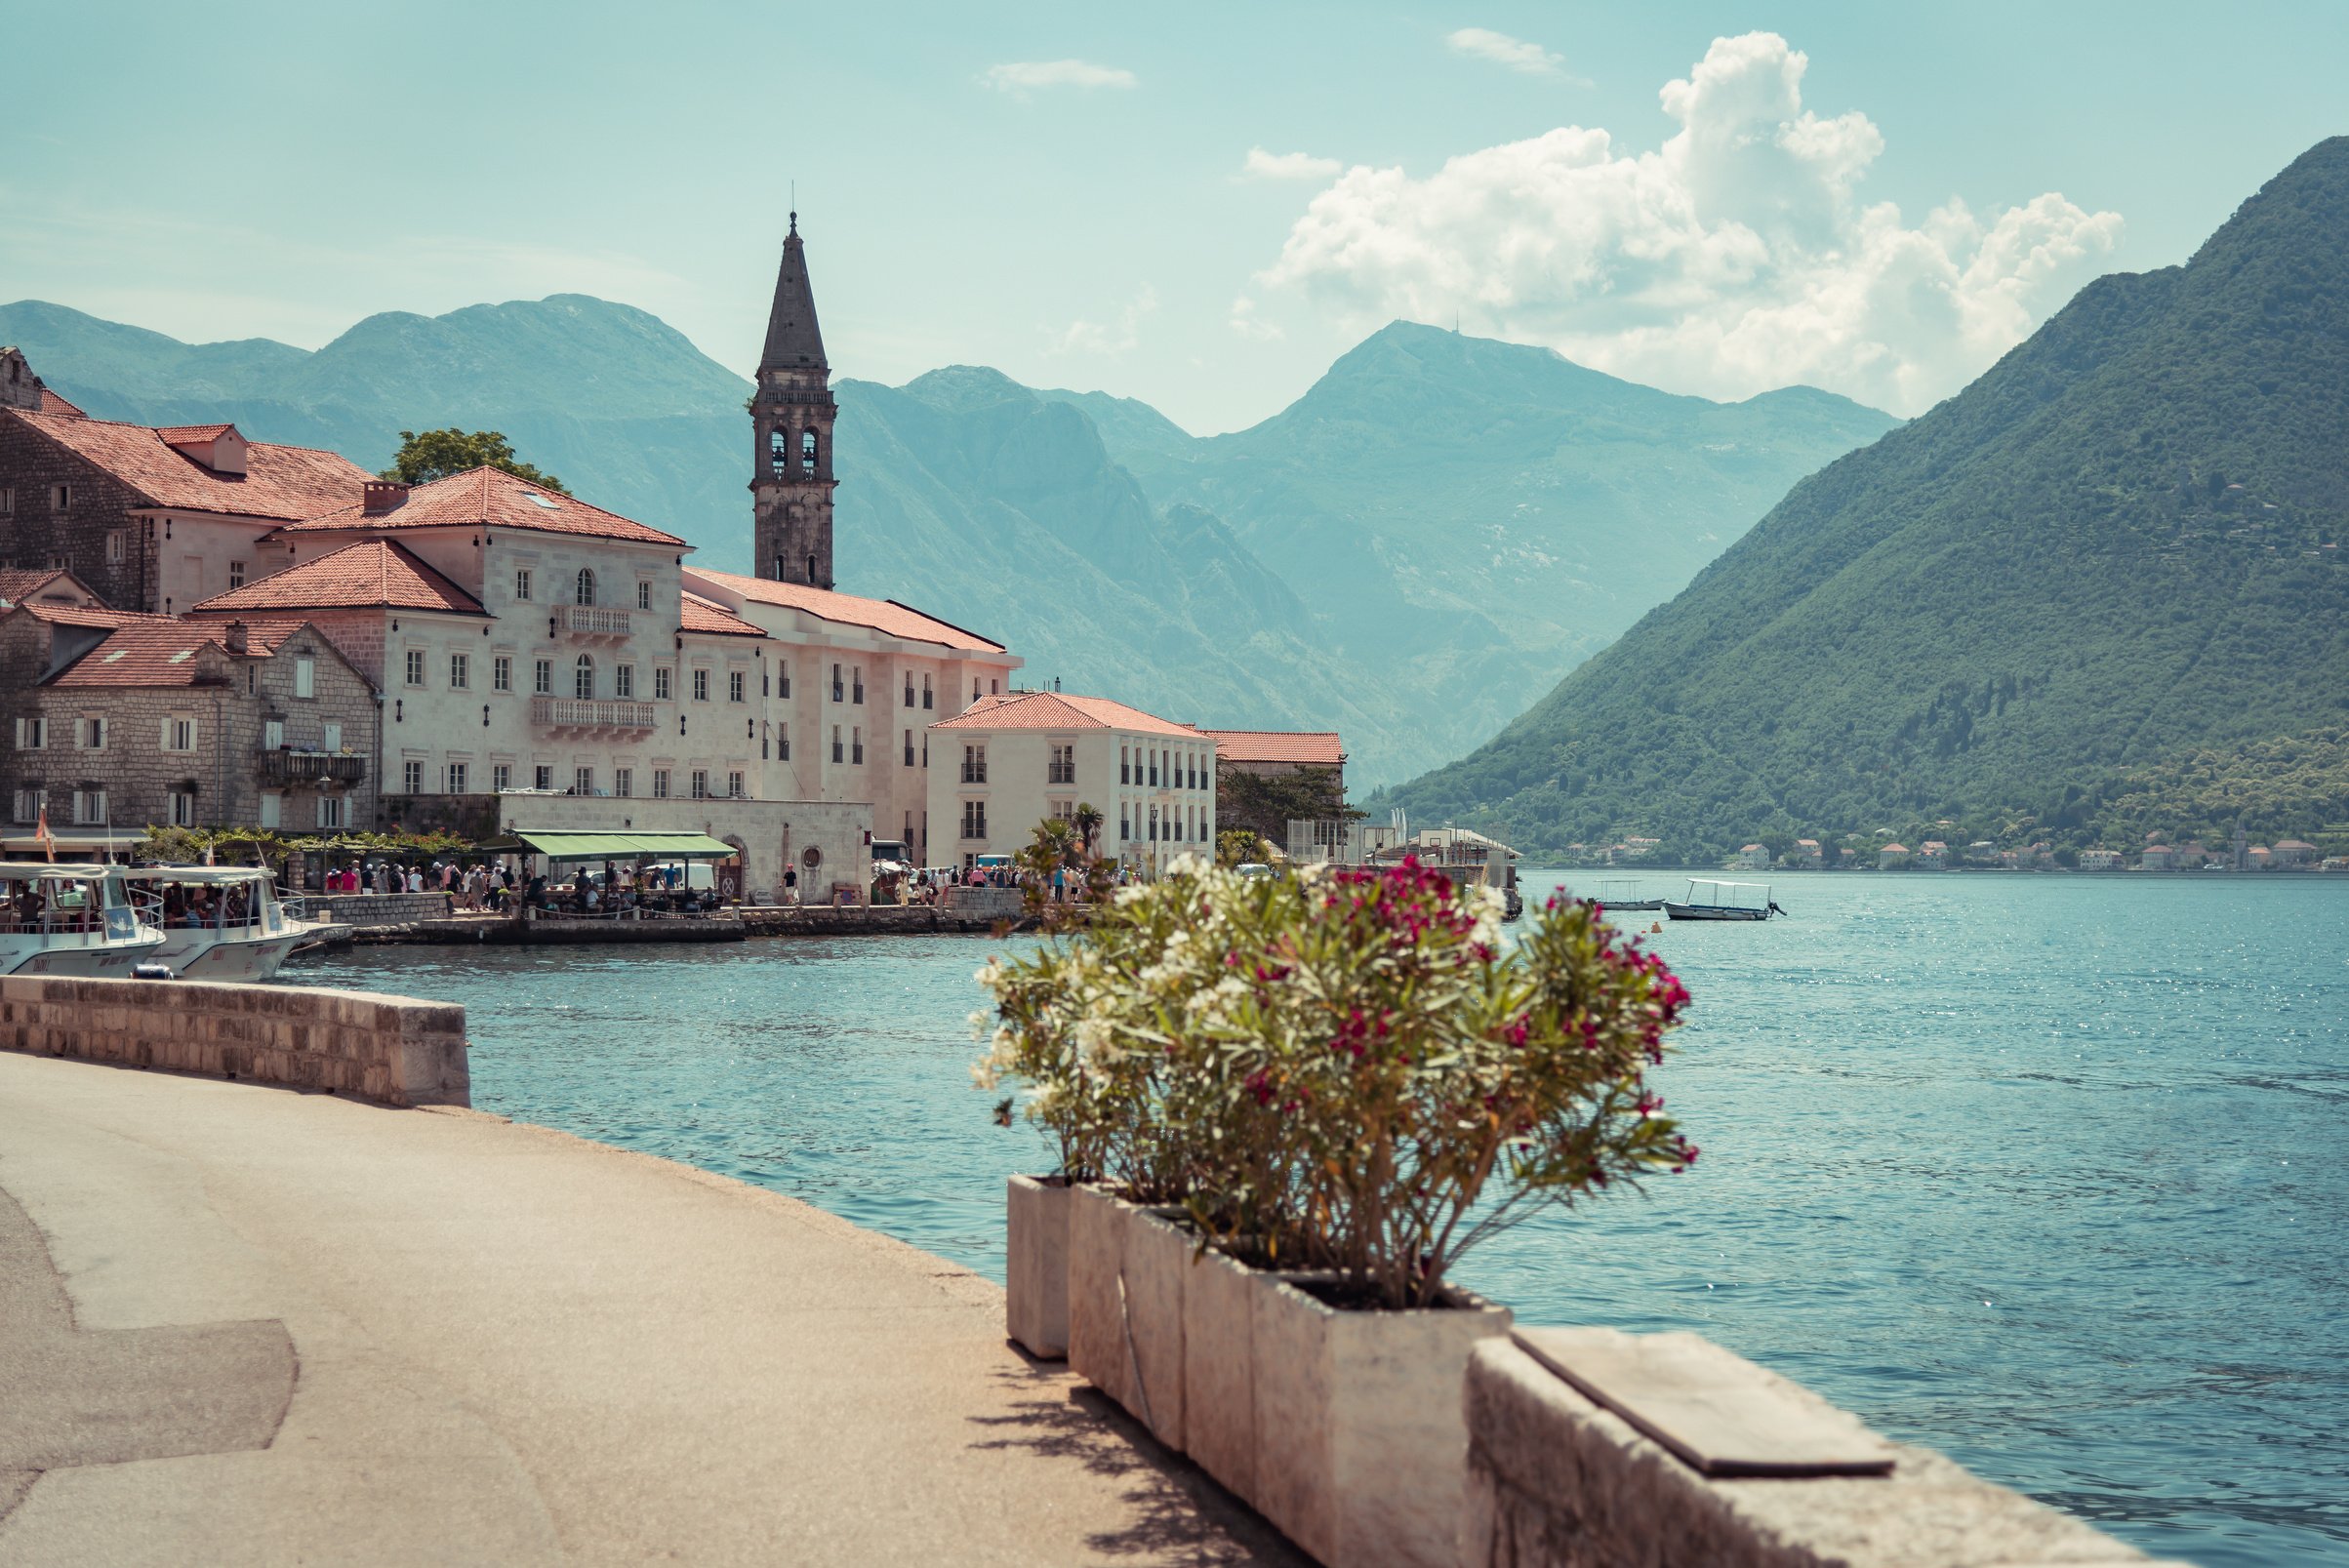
389, 1049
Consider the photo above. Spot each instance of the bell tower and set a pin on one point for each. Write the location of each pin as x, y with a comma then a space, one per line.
791, 416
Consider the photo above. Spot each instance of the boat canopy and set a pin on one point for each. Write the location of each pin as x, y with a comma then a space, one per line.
1736, 895
624, 846
64, 870
192, 874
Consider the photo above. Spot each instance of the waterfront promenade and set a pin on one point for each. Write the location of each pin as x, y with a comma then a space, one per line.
250, 1325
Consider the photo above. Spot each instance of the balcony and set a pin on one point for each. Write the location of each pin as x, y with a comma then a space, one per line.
282, 766
579, 717
590, 620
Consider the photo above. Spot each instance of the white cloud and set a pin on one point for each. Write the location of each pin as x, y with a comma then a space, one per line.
1245, 321
1263, 165
1482, 43
1733, 259
1114, 338
1021, 77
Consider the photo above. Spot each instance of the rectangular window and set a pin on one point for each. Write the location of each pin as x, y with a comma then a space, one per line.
521, 581
32, 735
783, 677
334, 739
541, 677
306, 677
501, 777
909, 749
461, 672
734, 785
583, 780
700, 784
330, 810
90, 807
60, 498
624, 782
273, 809
974, 764
838, 689
624, 680
116, 547
456, 777
8, 501
502, 673
856, 745
416, 667
783, 742
412, 775
974, 818
908, 689
543, 777
734, 686
94, 734
179, 734
184, 809
272, 734
859, 677
644, 595
1063, 767
236, 575
1125, 766
28, 805
701, 686
837, 754
660, 784
925, 690
660, 683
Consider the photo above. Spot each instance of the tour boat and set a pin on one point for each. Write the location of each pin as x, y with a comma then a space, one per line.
1624, 896
220, 922
57, 918
1724, 901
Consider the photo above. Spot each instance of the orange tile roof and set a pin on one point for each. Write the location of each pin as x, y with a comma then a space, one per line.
163, 651
55, 402
1319, 749
281, 482
174, 434
15, 586
78, 614
697, 614
479, 497
373, 573
881, 615
1060, 710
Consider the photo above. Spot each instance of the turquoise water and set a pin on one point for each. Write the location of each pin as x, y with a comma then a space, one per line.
2046, 1172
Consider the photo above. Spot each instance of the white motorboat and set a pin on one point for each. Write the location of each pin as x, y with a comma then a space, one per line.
1625, 895
60, 918
219, 922
1723, 901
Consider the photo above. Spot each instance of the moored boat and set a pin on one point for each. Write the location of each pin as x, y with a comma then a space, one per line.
220, 922
60, 918
1723, 901
1625, 895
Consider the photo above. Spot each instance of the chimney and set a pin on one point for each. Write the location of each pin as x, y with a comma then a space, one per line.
239, 638
383, 496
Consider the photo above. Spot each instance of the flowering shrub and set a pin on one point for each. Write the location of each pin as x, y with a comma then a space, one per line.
1346, 1070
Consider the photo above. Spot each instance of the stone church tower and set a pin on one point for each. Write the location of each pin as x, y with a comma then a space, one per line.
792, 415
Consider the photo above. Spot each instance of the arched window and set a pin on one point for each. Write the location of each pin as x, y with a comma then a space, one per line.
811, 571
583, 676
587, 586
807, 451
779, 453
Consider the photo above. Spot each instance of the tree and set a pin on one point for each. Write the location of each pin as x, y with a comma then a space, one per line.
1239, 846
430, 455
1265, 804
1088, 821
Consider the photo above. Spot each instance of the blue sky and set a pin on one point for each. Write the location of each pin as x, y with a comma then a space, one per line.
1874, 198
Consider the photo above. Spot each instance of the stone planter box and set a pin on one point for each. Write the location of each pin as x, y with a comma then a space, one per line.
1219, 1368
1360, 1443
1126, 1268
1035, 1234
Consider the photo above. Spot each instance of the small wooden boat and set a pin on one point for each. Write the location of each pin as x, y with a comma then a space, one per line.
1625, 895
1724, 901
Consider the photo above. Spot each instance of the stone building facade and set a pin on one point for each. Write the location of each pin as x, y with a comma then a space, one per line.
791, 417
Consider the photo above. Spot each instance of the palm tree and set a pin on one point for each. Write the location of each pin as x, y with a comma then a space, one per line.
1087, 821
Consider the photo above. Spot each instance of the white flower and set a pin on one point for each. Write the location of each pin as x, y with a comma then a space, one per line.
981, 1022
988, 975
983, 1075
1185, 864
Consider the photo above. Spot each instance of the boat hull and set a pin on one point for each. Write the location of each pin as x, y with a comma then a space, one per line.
1711, 911
195, 955
112, 961
1631, 903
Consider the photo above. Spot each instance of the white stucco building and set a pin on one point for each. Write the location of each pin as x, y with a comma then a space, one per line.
1007, 762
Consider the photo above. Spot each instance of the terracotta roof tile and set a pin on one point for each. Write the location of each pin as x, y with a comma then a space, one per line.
1061, 710
174, 434
15, 584
279, 482
373, 573
163, 651
1319, 749
704, 615
80, 615
484, 498
55, 402
881, 615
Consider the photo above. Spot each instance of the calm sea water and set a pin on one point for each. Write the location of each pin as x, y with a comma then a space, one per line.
2046, 1172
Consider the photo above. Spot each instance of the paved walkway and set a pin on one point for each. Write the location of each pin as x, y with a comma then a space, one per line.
245, 1325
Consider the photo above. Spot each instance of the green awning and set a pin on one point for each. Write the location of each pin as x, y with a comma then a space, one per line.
626, 846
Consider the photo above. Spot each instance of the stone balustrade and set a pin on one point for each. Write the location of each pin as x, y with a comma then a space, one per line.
391, 1049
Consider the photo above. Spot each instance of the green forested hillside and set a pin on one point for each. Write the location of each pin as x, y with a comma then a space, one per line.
2051, 601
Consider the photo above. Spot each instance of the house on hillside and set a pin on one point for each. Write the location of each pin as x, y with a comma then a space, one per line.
2101, 860
1753, 858
1269, 754
2158, 858
1891, 858
2294, 854
1933, 855
1809, 852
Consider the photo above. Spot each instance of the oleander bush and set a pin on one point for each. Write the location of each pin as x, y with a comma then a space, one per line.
1346, 1070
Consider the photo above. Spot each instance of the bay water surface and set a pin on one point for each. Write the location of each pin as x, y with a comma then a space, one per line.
2043, 1171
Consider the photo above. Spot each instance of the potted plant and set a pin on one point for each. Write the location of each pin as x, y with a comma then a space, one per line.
1347, 1080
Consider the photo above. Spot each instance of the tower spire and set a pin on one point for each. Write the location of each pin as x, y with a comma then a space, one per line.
791, 419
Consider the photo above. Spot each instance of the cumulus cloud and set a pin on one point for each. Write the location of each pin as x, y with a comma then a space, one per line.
1482, 43
1117, 336
1246, 322
1733, 259
1262, 164
1024, 76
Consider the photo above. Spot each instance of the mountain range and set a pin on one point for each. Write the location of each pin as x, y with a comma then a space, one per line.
1411, 553
2097, 595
